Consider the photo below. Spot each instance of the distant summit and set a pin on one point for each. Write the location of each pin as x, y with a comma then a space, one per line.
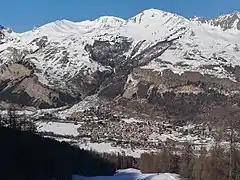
225, 22
2, 27
1, 32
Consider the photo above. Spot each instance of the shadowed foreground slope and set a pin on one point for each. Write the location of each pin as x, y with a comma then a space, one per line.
28, 156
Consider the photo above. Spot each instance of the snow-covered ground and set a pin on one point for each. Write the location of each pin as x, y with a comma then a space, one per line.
131, 120
60, 128
108, 148
131, 174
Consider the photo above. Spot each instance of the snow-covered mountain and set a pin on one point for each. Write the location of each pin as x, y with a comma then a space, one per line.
62, 62
225, 22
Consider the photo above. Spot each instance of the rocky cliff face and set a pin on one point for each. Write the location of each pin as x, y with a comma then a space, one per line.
156, 62
166, 95
20, 85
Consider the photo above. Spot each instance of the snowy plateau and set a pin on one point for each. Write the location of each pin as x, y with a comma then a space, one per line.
124, 85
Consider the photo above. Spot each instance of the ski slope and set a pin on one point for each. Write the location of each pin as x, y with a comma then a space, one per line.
131, 174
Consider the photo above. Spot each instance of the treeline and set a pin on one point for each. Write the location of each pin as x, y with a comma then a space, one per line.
27, 156
16, 121
214, 164
220, 162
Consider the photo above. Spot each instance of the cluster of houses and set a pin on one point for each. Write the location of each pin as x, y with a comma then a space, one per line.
100, 125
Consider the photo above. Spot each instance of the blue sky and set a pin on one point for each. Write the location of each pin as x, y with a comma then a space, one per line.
22, 15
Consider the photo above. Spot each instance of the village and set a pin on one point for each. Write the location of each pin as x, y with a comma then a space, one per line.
97, 125
101, 126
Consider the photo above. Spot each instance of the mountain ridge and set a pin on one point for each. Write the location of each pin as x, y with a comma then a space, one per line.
75, 58
151, 12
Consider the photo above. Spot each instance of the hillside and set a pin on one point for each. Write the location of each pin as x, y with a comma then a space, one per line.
28, 156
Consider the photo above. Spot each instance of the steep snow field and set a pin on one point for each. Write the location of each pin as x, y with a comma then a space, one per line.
132, 174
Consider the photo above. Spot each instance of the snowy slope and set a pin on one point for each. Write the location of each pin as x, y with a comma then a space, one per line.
62, 60
199, 41
132, 174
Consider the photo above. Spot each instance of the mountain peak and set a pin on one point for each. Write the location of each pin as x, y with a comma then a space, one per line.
234, 15
225, 22
236, 12
152, 11
149, 16
228, 21
109, 19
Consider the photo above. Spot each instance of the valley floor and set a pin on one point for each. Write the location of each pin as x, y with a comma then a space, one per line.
105, 131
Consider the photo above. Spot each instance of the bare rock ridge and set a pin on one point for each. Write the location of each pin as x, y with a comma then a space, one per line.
137, 61
114, 85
